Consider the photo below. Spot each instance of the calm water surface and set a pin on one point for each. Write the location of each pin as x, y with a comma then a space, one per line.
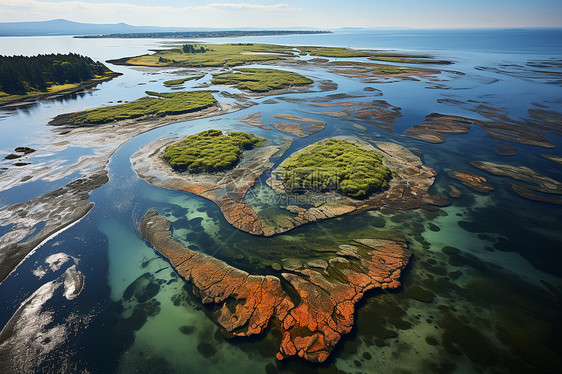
494, 300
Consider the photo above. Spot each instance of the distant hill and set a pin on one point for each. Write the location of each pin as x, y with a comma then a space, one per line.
202, 34
65, 27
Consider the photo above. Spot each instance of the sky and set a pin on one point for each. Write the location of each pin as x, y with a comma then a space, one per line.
293, 13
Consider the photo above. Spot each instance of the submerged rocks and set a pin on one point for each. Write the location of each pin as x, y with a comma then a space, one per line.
553, 158
206, 350
472, 180
436, 126
186, 330
20, 152
454, 192
378, 113
313, 316
300, 126
419, 294
534, 181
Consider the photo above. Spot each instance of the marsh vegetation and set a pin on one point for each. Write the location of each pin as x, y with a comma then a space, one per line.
210, 151
159, 104
336, 165
214, 55
261, 80
177, 82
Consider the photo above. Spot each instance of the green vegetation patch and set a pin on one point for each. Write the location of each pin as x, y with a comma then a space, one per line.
334, 52
214, 55
261, 80
175, 82
336, 165
210, 151
160, 104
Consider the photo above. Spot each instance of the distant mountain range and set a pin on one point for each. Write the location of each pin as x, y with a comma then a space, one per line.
65, 27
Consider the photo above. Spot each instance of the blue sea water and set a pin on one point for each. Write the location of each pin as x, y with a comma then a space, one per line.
495, 303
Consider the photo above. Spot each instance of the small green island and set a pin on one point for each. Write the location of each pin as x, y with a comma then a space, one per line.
339, 52
209, 55
177, 82
26, 77
334, 52
156, 104
335, 165
261, 79
210, 151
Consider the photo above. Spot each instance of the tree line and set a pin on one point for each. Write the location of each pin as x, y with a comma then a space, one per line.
190, 48
21, 74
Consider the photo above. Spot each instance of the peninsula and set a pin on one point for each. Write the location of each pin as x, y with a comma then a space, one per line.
24, 79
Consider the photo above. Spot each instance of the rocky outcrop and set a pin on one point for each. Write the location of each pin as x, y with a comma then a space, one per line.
312, 322
553, 158
533, 181
376, 113
497, 124
299, 126
436, 126
472, 180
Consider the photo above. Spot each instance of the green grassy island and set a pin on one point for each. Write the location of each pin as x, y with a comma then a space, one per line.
261, 80
158, 104
210, 151
336, 165
214, 55
334, 52
25, 76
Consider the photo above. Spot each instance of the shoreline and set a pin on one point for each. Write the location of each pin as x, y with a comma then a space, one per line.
74, 196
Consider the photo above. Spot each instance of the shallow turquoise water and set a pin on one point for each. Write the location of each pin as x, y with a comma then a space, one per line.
502, 284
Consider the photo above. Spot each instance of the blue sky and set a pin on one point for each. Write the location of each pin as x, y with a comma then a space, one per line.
293, 13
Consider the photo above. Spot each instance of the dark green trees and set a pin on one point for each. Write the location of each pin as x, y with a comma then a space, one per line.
21, 74
190, 48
